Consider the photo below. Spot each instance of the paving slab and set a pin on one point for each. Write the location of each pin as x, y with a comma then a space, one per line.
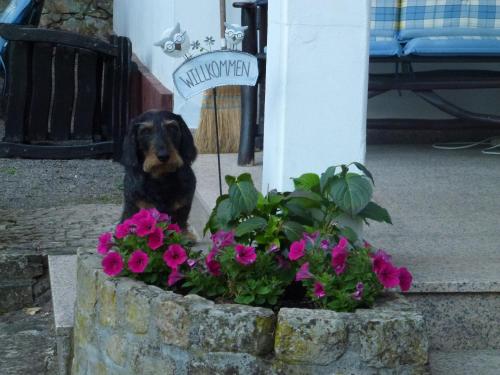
467, 362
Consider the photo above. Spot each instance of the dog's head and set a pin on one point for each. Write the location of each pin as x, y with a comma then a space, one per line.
158, 142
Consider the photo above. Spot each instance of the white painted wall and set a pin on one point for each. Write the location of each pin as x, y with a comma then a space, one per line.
316, 94
143, 21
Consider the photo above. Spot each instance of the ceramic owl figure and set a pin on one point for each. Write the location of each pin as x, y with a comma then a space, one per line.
174, 42
234, 34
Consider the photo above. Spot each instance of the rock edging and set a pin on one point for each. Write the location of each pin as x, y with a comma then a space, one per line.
126, 327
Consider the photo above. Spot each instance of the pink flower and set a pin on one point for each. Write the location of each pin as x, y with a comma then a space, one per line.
105, 243
339, 256
191, 262
155, 239
174, 256
138, 261
112, 263
158, 216
174, 227
303, 273
319, 290
124, 229
213, 267
222, 239
325, 244
311, 237
273, 248
358, 294
174, 276
405, 279
245, 254
379, 259
297, 250
144, 222
388, 275
282, 262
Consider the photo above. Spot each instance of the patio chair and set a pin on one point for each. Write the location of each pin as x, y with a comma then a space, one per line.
67, 94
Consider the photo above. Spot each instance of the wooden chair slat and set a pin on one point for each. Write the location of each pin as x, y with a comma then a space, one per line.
86, 95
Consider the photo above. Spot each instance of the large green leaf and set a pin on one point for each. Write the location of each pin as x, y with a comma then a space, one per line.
363, 169
250, 225
374, 212
326, 178
293, 231
212, 220
308, 182
243, 196
305, 199
223, 213
352, 193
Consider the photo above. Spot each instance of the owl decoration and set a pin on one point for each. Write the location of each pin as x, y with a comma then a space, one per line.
174, 42
234, 34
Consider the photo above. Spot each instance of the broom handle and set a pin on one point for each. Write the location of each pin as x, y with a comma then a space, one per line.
222, 10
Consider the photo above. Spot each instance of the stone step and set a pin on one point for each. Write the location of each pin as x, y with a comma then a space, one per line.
465, 362
24, 279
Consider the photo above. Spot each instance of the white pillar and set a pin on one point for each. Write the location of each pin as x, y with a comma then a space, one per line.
316, 87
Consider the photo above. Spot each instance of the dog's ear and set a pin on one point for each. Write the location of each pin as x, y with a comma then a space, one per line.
129, 151
187, 148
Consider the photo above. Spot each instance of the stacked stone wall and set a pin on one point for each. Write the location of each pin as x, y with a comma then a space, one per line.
126, 327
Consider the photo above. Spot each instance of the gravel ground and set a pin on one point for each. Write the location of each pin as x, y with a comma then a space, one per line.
47, 183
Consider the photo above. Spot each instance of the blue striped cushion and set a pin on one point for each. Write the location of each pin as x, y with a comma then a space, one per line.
454, 45
423, 18
384, 46
384, 17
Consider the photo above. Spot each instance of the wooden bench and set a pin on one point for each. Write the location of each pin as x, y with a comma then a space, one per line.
67, 94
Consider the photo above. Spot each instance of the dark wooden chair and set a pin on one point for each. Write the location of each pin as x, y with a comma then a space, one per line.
67, 94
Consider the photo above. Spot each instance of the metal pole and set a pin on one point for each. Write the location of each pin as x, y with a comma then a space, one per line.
217, 139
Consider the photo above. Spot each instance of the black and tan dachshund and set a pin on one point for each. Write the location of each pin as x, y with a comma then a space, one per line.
158, 151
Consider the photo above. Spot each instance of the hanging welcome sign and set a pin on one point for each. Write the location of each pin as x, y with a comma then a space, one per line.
214, 69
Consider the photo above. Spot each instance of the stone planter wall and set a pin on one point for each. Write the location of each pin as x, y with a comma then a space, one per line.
87, 17
125, 327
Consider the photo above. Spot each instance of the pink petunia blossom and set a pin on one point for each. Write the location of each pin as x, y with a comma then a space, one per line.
213, 267
388, 275
311, 237
339, 256
155, 239
303, 272
297, 250
319, 290
174, 276
222, 239
144, 222
174, 256
105, 243
379, 259
324, 244
124, 229
405, 279
273, 248
282, 262
174, 227
138, 261
112, 264
158, 216
245, 254
358, 294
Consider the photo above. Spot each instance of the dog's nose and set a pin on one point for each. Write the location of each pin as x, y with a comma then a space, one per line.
162, 156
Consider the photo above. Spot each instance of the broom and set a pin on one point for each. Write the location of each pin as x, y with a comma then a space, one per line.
228, 112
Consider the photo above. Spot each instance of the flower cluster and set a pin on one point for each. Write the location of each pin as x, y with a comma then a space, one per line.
341, 276
147, 246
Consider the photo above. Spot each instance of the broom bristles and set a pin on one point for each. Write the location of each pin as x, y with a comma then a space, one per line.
229, 116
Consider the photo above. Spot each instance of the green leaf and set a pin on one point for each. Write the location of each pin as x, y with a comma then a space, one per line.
293, 231
212, 222
307, 182
243, 196
374, 212
245, 177
352, 193
223, 213
250, 225
363, 169
230, 180
245, 299
326, 177
264, 290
